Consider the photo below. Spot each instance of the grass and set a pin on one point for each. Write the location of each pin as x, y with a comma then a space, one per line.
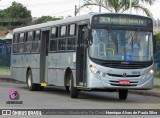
5, 71
157, 86
156, 78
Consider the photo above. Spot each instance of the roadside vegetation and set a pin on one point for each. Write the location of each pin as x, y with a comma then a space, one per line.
5, 71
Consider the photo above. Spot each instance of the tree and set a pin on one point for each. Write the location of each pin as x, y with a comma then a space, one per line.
157, 38
18, 11
119, 6
15, 16
44, 19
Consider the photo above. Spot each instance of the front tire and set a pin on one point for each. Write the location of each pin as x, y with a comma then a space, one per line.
123, 94
73, 90
31, 86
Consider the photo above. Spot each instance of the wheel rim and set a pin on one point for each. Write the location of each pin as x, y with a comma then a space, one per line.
29, 81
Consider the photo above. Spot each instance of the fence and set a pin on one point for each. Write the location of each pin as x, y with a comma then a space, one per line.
5, 57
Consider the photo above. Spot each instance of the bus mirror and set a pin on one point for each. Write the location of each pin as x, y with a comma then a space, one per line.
87, 37
86, 34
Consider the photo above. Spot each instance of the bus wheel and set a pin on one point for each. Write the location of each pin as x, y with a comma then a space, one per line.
30, 84
73, 90
123, 94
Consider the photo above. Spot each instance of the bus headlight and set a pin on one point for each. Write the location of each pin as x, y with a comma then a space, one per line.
149, 74
151, 71
92, 68
95, 71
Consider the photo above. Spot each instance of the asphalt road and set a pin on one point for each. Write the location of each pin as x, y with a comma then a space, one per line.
58, 98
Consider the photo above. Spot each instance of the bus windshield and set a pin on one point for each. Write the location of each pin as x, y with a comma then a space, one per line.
121, 45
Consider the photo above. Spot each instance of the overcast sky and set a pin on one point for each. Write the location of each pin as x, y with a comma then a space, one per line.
65, 7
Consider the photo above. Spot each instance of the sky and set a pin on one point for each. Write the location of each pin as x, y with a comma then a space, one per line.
66, 7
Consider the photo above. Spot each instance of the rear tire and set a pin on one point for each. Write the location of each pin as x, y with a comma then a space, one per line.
123, 94
73, 90
31, 86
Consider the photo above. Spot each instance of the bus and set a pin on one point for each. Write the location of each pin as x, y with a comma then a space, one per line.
94, 52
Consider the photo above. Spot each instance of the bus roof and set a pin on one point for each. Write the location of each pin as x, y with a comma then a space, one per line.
52, 23
67, 20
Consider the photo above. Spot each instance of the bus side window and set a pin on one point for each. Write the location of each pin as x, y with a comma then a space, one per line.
71, 40
36, 41
16, 38
37, 35
62, 39
21, 43
28, 43
63, 31
53, 39
15, 41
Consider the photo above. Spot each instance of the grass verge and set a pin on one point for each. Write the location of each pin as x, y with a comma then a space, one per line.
5, 71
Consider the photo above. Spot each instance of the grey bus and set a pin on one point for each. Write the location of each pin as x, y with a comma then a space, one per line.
94, 52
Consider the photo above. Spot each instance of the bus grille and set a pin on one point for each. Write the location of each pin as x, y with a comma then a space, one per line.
127, 65
116, 75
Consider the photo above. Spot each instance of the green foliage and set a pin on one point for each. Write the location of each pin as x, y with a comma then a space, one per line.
16, 15
119, 6
157, 38
44, 19
17, 10
5, 71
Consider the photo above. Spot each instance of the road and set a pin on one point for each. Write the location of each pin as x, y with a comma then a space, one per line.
58, 98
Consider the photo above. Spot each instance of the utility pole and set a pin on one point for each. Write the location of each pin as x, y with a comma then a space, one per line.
100, 6
79, 7
130, 6
75, 10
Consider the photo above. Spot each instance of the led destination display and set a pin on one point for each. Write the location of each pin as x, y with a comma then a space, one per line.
121, 20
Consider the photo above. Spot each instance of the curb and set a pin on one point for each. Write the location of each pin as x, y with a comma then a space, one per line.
145, 92
5, 79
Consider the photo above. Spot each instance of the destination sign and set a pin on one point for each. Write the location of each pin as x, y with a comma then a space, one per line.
120, 20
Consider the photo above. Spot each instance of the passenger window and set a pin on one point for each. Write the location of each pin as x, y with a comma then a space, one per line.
30, 36
21, 37
16, 38
53, 45
15, 48
63, 31
72, 30
54, 33
71, 43
37, 35
62, 44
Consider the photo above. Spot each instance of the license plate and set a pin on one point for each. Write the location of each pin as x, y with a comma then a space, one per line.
124, 82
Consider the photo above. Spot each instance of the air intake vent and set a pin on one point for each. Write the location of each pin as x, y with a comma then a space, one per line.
127, 65
116, 75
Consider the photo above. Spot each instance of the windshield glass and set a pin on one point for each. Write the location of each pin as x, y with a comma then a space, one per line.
122, 45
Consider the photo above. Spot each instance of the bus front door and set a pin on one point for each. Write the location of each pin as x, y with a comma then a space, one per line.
81, 57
